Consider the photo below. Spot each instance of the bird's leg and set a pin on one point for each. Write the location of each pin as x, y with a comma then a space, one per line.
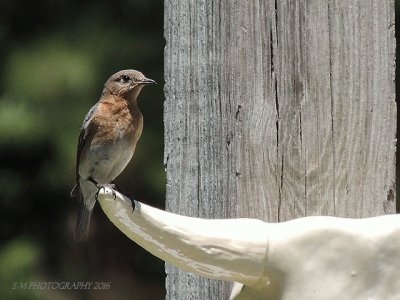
111, 185
92, 180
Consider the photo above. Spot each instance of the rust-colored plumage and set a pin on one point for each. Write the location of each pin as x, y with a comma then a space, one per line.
107, 140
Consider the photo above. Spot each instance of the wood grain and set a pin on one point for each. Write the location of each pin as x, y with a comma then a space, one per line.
277, 110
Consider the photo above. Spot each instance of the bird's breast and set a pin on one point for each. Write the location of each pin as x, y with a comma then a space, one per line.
113, 145
117, 121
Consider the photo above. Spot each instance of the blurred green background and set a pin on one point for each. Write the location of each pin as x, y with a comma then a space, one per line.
55, 58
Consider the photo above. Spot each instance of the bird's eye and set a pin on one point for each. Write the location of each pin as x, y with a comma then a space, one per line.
124, 79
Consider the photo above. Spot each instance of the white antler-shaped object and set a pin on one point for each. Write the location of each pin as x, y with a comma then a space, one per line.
307, 258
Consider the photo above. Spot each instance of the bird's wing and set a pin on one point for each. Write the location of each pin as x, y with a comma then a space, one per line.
83, 138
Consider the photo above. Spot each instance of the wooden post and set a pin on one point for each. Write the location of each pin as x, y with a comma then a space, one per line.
277, 110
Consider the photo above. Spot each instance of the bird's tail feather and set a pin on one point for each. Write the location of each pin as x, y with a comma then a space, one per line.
87, 197
75, 191
82, 224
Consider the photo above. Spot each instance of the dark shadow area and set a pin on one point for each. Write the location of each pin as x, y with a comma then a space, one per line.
397, 10
54, 60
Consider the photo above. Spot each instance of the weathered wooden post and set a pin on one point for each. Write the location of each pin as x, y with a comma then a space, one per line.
277, 110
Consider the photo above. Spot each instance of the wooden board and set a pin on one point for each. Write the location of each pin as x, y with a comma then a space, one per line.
277, 110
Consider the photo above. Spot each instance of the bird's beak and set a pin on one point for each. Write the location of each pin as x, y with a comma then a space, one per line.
147, 81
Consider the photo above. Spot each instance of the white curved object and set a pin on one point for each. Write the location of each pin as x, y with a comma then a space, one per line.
307, 258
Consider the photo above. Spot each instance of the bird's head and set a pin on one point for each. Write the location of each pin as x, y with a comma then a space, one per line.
126, 83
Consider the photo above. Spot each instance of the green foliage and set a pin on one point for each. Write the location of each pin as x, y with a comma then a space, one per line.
18, 260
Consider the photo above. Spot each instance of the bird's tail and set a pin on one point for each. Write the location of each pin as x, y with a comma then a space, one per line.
87, 196
82, 224
75, 191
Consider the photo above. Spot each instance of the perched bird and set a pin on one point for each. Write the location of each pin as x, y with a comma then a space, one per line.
107, 140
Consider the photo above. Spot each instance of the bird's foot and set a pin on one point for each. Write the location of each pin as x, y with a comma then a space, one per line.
133, 204
128, 195
114, 187
107, 185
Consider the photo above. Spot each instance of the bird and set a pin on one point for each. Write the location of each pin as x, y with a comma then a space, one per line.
107, 141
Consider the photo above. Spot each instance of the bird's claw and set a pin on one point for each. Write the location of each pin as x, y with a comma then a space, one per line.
107, 185
133, 204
